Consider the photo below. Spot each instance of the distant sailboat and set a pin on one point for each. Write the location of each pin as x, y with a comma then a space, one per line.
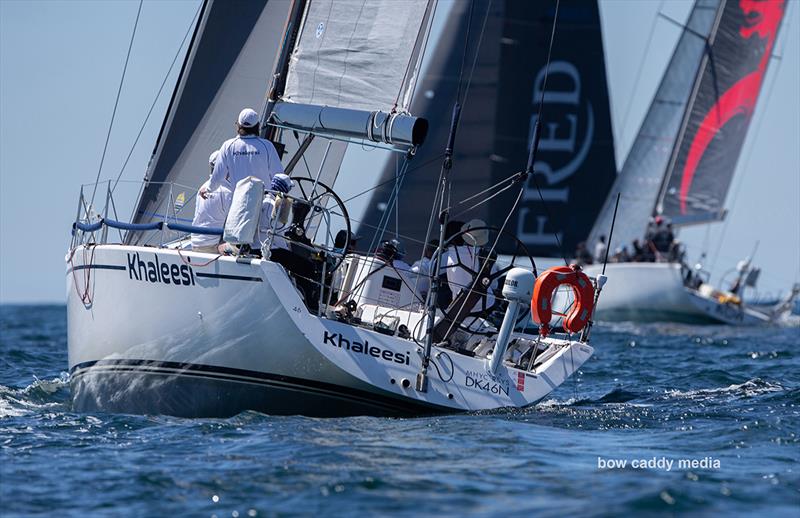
155, 327
681, 164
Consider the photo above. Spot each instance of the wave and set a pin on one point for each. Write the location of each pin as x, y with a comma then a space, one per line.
40, 394
749, 388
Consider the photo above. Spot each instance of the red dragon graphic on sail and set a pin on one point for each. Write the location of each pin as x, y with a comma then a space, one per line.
762, 18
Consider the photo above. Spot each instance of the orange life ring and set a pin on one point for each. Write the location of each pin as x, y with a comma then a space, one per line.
579, 314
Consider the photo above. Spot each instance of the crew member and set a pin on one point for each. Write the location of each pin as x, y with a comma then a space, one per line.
341, 238
281, 183
210, 212
663, 236
422, 268
245, 155
392, 253
600, 250
302, 270
467, 260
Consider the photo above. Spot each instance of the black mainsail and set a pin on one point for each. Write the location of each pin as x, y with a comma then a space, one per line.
720, 113
227, 67
684, 156
576, 165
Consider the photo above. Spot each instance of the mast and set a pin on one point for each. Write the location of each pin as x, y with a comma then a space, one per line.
687, 110
291, 30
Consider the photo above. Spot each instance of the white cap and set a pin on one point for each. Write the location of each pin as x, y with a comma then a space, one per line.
213, 158
248, 118
475, 237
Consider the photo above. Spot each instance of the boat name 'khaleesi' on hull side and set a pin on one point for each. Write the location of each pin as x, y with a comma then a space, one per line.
157, 330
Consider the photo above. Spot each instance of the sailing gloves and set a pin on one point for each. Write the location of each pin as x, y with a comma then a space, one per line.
281, 183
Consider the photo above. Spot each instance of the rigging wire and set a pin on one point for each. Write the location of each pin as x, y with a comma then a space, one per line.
640, 69
158, 94
466, 48
458, 101
394, 178
529, 171
116, 102
477, 48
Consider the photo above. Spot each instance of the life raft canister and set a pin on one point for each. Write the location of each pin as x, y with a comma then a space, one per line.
578, 315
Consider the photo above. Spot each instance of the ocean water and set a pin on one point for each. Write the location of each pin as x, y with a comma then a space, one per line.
725, 399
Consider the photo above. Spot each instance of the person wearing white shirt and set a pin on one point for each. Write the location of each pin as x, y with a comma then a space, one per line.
600, 250
461, 261
245, 155
267, 223
422, 269
210, 212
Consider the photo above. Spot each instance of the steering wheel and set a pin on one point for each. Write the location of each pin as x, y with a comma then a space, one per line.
480, 271
318, 195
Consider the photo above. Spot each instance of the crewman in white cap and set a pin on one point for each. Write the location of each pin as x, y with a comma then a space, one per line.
210, 212
245, 155
463, 261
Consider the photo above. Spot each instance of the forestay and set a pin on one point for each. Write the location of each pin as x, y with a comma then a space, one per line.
227, 68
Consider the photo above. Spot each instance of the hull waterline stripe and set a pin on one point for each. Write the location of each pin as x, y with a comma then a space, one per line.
95, 267
260, 378
229, 277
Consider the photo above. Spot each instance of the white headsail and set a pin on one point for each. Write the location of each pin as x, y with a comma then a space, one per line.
352, 70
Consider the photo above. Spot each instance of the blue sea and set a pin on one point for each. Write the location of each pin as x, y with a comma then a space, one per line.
705, 420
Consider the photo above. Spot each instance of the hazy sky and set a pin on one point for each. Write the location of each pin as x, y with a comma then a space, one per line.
60, 67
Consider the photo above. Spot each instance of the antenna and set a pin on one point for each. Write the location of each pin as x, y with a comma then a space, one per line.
611, 234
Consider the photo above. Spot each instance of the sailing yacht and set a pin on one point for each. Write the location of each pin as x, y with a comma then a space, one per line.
155, 327
680, 167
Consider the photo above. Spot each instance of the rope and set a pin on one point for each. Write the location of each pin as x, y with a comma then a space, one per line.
85, 295
198, 265
394, 178
116, 102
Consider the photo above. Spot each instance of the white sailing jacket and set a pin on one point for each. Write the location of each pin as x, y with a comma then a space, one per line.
244, 156
211, 212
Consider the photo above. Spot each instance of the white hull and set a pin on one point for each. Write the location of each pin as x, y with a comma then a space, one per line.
647, 292
232, 336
